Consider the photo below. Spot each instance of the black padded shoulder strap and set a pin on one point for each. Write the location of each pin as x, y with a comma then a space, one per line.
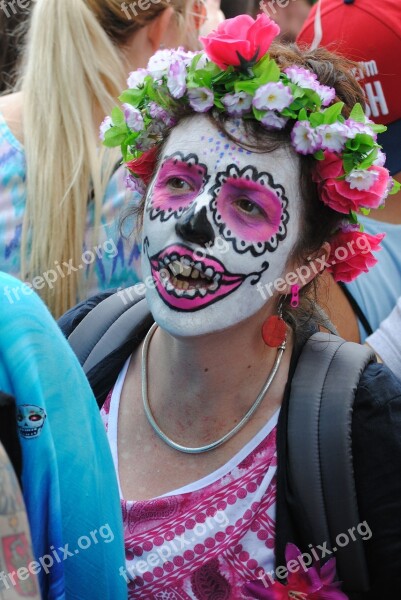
109, 325
320, 466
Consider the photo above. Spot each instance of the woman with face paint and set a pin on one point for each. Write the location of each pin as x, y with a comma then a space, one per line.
254, 160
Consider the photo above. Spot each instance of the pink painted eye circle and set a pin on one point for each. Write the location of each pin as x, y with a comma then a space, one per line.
249, 208
177, 184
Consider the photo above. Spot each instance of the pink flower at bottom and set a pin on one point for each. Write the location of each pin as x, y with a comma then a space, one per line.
351, 254
314, 583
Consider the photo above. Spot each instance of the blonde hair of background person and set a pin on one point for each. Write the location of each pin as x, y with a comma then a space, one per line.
77, 57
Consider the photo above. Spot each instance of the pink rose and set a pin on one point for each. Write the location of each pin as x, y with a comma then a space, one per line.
351, 254
240, 40
343, 196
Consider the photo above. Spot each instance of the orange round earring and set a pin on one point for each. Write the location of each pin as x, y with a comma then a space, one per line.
274, 330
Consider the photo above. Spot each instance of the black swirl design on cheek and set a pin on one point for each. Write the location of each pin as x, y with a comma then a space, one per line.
164, 214
251, 174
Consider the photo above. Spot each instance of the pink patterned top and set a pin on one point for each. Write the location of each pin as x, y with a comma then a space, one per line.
208, 538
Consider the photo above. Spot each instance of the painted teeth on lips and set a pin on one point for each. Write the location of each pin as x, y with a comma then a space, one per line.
185, 267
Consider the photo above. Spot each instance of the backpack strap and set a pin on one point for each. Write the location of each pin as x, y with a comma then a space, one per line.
109, 326
320, 466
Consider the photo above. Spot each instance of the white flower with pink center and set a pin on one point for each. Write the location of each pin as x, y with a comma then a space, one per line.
105, 126
305, 139
380, 159
177, 79
201, 99
333, 136
237, 104
136, 79
354, 128
159, 63
326, 94
362, 179
133, 118
273, 96
302, 77
271, 120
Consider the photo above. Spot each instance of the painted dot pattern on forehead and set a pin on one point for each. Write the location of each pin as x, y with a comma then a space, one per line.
223, 149
277, 234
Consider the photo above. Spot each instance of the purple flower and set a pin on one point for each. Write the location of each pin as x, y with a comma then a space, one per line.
158, 112
136, 78
105, 126
302, 77
201, 99
273, 96
237, 104
159, 64
133, 118
135, 185
176, 79
354, 128
326, 93
333, 136
271, 120
380, 160
305, 139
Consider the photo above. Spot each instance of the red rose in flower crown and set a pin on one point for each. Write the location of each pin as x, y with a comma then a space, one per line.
351, 253
240, 42
358, 189
144, 166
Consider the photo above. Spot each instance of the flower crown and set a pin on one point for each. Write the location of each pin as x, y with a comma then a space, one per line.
235, 75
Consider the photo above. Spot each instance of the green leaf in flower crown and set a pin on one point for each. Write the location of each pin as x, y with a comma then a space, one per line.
332, 113
117, 116
348, 161
260, 66
316, 119
365, 211
115, 136
396, 188
369, 159
302, 115
249, 87
362, 143
357, 114
313, 99
376, 128
353, 217
258, 114
319, 155
267, 70
133, 97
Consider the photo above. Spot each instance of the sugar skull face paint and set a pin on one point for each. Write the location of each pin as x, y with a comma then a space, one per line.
217, 221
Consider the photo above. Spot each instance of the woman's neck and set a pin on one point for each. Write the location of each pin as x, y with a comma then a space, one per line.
208, 383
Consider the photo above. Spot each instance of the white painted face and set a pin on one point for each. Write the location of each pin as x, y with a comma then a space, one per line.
218, 221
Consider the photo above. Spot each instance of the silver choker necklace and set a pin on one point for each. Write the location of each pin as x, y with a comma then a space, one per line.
227, 436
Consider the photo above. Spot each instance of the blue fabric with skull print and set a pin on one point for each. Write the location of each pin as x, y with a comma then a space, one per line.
69, 482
